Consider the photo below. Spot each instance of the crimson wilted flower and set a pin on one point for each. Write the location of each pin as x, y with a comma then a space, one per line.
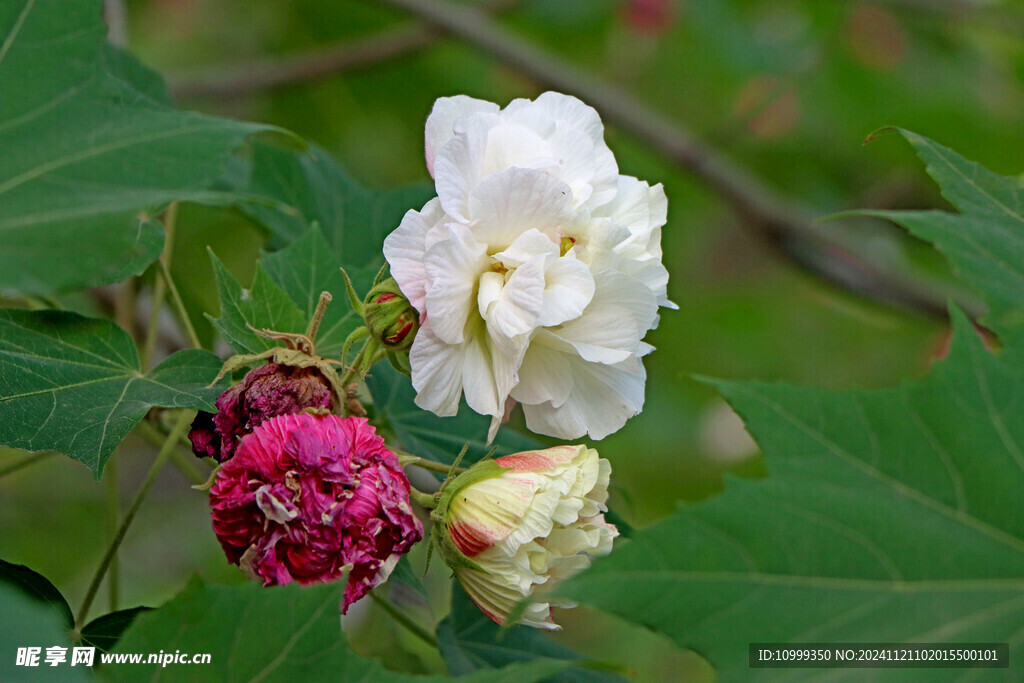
306, 497
267, 391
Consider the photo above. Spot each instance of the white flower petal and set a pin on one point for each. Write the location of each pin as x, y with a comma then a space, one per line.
572, 111
513, 145
489, 291
458, 167
442, 372
638, 207
453, 267
442, 120
610, 329
506, 204
486, 372
436, 372
576, 163
621, 391
515, 311
491, 509
404, 249
527, 246
569, 289
544, 377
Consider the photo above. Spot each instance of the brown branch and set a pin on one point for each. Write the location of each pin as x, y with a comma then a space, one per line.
787, 226
117, 22
315, 65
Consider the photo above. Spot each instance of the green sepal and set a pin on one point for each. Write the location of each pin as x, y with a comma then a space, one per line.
381, 273
450, 553
400, 362
356, 334
353, 297
286, 356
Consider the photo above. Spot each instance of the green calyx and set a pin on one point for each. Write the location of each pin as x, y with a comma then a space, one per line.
390, 325
440, 536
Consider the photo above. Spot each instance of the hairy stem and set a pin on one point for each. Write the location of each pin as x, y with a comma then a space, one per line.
318, 316
423, 499
403, 619
160, 287
407, 459
113, 518
179, 306
184, 419
182, 460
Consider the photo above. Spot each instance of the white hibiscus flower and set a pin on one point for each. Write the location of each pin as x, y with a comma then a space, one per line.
536, 270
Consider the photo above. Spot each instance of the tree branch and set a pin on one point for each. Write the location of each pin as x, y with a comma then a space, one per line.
312, 66
117, 22
787, 226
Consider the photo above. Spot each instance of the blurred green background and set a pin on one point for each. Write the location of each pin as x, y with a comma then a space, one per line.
787, 89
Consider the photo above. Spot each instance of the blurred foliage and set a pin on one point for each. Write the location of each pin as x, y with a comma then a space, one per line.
789, 89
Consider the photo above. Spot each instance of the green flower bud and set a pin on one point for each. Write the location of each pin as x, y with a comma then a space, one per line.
390, 317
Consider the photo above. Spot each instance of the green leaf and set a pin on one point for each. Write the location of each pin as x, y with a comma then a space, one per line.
39, 588
428, 436
472, 642
312, 188
103, 632
303, 270
405, 574
890, 515
73, 384
263, 306
35, 614
289, 633
87, 156
985, 241
122, 65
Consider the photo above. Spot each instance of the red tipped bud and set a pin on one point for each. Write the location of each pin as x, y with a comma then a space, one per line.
390, 317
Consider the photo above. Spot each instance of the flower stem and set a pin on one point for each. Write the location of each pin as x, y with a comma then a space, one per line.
409, 459
403, 619
318, 315
25, 462
113, 517
179, 305
425, 500
165, 452
365, 359
181, 459
160, 287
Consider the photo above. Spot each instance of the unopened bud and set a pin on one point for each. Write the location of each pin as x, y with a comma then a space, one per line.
390, 317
